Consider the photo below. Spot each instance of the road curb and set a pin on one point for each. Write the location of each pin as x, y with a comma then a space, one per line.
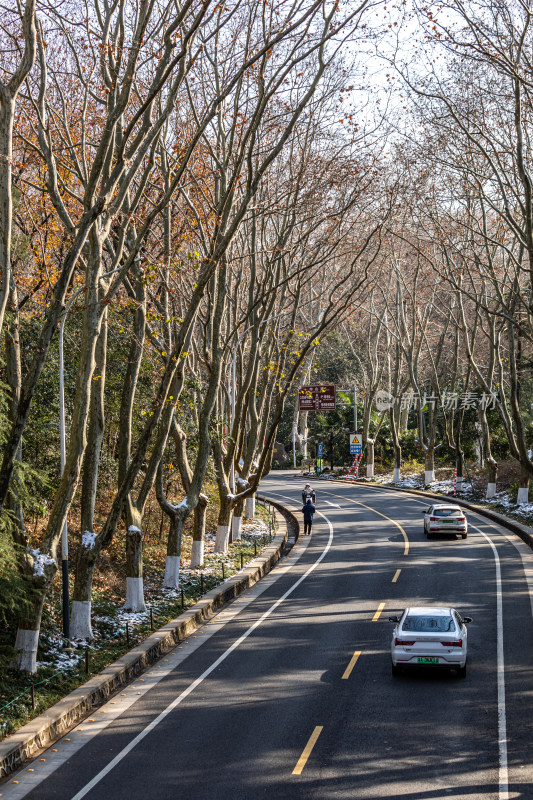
45, 729
525, 532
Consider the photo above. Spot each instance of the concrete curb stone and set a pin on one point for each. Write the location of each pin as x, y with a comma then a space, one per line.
46, 728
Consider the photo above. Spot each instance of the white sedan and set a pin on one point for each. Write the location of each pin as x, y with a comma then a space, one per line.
445, 518
429, 636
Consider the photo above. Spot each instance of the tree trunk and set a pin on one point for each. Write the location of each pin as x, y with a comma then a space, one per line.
198, 535
14, 380
236, 521
394, 417
80, 617
173, 558
460, 469
27, 639
134, 564
396, 475
7, 112
223, 526
80, 621
39, 569
492, 477
523, 485
370, 458
492, 464
429, 465
249, 507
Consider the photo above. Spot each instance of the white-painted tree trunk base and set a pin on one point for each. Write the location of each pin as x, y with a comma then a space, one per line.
249, 507
26, 646
134, 595
396, 475
197, 554
429, 476
80, 620
236, 525
370, 470
222, 539
523, 495
491, 490
172, 572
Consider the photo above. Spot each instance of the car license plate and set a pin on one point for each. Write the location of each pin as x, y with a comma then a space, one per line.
428, 660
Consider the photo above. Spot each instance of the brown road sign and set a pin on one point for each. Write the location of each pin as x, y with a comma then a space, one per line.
321, 397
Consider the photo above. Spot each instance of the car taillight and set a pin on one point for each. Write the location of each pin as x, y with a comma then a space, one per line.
402, 642
462, 519
458, 643
433, 519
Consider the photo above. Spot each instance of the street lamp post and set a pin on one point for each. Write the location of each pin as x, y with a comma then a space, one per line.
63, 448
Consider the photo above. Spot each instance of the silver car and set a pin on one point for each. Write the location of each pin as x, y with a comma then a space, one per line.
427, 636
445, 518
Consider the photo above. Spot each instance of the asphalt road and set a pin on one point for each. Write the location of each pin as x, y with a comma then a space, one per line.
289, 692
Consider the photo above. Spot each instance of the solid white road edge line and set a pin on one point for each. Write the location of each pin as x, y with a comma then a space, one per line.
116, 706
140, 736
502, 719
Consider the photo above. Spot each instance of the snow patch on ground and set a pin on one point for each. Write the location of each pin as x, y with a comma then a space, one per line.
112, 625
500, 501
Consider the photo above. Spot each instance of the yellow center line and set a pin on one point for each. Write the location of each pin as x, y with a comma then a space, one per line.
302, 761
378, 612
351, 665
358, 503
396, 575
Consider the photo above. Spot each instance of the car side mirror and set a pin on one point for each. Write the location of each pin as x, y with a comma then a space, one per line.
394, 619
466, 620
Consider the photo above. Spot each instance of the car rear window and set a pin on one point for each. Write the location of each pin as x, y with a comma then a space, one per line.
447, 512
428, 624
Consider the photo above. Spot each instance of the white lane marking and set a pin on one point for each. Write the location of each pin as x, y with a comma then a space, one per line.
76, 739
335, 505
503, 793
140, 736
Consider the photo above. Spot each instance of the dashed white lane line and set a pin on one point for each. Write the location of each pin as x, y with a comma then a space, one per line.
34, 772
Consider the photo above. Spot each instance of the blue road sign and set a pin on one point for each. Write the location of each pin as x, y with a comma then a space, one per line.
320, 450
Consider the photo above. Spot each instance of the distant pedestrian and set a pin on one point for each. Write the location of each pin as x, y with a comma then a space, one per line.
308, 493
308, 510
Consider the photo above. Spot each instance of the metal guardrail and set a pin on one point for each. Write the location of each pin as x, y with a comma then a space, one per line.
292, 521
